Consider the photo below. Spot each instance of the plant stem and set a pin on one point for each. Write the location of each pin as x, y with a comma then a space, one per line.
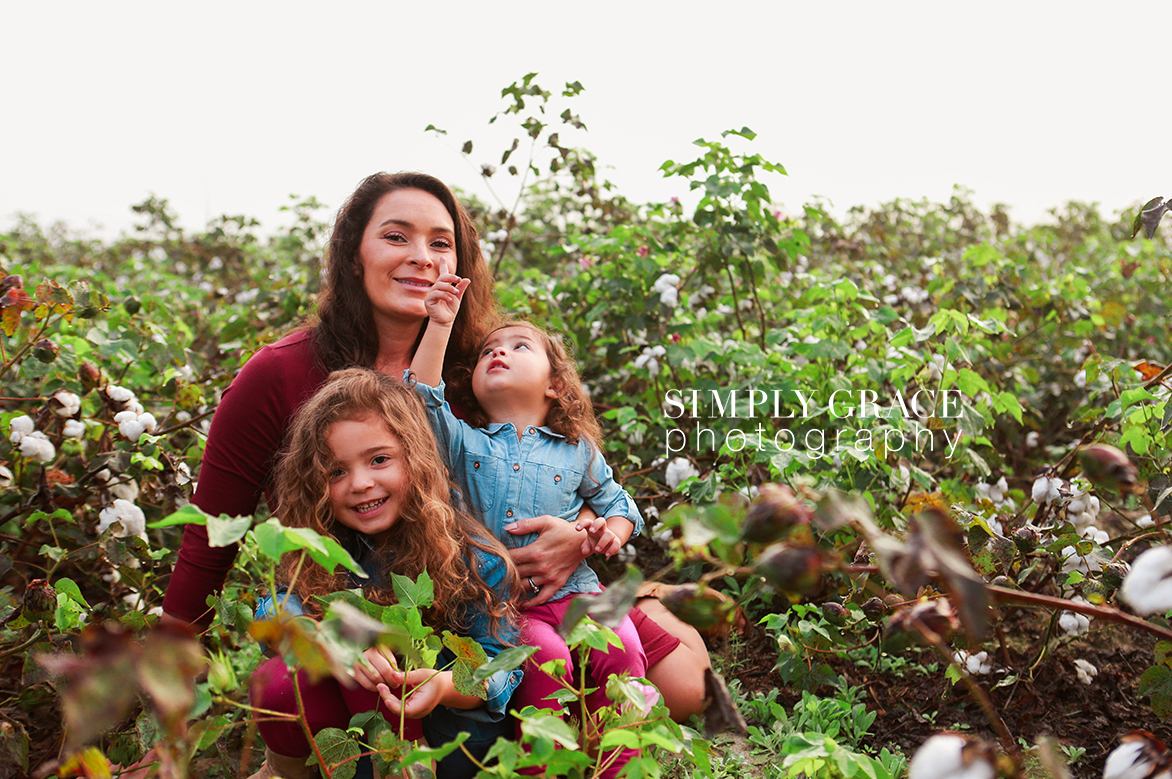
1109, 613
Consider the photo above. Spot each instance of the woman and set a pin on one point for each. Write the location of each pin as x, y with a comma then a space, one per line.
384, 255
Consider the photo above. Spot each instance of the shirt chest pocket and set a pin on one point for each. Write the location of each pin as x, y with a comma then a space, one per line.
486, 479
556, 490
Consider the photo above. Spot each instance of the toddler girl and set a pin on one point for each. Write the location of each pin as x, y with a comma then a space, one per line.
535, 449
361, 466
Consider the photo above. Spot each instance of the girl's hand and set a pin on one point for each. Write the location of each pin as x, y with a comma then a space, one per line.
551, 558
377, 667
599, 537
429, 688
443, 299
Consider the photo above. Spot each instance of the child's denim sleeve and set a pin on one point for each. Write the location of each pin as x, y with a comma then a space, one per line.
449, 431
502, 683
605, 495
288, 601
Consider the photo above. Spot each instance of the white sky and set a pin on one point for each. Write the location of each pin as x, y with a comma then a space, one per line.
230, 107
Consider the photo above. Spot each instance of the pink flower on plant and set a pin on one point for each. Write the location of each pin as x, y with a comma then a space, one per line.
675, 338
642, 252
585, 262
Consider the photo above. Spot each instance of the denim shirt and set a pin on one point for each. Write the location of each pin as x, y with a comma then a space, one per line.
506, 479
492, 569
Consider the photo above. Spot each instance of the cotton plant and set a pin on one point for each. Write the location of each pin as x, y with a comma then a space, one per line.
1085, 671
649, 359
976, 663
1073, 623
1140, 756
679, 470
1046, 489
997, 494
67, 404
952, 756
128, 514
667, 287
1148, 587
134, 424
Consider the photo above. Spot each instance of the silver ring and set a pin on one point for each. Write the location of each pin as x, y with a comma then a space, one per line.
533, 585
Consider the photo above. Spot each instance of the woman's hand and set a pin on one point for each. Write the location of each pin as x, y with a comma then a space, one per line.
549, 560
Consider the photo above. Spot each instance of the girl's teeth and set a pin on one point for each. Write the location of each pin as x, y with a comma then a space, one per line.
369, 506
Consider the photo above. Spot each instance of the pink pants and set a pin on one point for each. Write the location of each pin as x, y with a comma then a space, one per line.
539, 628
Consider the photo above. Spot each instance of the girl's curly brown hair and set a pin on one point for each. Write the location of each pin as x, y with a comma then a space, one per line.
429, 533
571, 413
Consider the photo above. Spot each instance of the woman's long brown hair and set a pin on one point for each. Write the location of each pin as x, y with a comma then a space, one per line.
429, 533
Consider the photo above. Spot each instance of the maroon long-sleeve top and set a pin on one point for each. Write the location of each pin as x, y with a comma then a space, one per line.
245, 438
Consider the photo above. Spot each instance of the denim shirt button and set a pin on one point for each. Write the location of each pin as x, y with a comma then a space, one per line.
476, 465
509, 513
532, 430
516, 466
557, 477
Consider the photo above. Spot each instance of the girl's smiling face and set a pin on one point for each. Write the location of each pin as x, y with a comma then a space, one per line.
409, 240
367, 478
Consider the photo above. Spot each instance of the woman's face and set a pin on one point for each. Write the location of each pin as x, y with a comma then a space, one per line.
408, 242
368, 478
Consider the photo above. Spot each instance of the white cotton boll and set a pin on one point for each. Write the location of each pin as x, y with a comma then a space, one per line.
1145, 521
704, 293
20, 427
148, 422
131, 516
1080, 378
995, 525
678, 470
942, 757
595, 328
1148, 588
127, 490
976, 663
1073, 624
1033, 439
650, 513
6, 477
1094, 534
74, 428
37, 446
891, 299
1077, 505
125, 416
1093, 506
1041, 489
666, 287
132, 429
70, 403
626, 554
1130, 760
119, 394
1085, 671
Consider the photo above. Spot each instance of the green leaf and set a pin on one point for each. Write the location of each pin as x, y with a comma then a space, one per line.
188, 515
417, 594
470, 657
548, 726
225, 531
336, 746
1157, 682
506, 660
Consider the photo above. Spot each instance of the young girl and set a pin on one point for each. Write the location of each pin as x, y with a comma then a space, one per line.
361, 465
535, 450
